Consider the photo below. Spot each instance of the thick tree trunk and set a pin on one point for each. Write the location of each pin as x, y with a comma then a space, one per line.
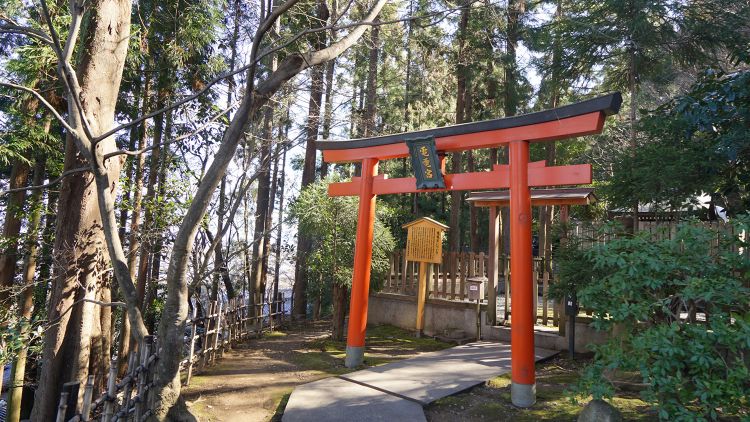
79, 241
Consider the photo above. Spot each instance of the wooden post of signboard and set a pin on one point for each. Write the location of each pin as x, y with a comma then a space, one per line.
421, 295
424, 244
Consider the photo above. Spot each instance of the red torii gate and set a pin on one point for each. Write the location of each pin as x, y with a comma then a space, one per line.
578, 119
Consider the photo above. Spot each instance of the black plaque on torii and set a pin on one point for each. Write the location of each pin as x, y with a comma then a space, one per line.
425, 162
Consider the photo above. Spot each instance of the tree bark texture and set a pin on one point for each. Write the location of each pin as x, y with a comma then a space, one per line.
80, 248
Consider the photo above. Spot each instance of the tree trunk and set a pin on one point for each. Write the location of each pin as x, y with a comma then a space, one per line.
511, 99
470, 164
546, 213
277, 261
155, 270
339, 311
299, 293
147, 241
45, 260
79, 241
19, 175
454, 234
260, 251
135, 227
633, 87
26, 302
371, 98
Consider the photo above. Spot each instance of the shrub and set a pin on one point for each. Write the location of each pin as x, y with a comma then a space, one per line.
651, 291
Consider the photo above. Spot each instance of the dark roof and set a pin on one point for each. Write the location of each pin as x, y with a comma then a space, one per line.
608, 104
564, 196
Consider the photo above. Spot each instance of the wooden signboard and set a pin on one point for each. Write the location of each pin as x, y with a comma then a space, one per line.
424, 244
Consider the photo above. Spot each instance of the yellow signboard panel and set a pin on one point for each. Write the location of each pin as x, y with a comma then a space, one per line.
424, 244
424, 241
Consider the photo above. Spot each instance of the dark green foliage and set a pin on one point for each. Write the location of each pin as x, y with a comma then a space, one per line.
599, 38
697, 143
644, 290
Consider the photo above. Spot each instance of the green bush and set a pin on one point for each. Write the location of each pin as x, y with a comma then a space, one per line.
331, 223
644, 290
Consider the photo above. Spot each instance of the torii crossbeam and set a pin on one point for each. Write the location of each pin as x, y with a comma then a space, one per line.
583, 118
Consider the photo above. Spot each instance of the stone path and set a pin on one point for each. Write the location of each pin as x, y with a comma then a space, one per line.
397, 391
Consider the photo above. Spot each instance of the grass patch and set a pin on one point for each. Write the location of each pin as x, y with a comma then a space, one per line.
274, 335
280, 406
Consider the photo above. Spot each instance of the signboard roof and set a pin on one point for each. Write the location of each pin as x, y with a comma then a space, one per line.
425, 220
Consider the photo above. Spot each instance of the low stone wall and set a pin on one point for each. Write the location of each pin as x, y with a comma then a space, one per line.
446, 315
439, 315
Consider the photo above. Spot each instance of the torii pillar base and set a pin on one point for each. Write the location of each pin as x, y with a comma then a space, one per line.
355, 356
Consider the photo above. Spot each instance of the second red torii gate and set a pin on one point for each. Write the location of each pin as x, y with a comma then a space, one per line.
583, 118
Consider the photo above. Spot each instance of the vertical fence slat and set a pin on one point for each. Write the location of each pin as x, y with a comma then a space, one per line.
88, 395
62, 407
109, 403
545, 297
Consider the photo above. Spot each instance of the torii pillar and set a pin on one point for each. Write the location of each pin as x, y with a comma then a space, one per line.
523, 374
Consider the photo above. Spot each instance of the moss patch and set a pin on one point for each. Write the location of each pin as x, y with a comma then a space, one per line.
274, 334
384, 343
491, 401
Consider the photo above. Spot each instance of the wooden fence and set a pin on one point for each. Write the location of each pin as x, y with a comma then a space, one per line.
659, 230
447, 280
210, 336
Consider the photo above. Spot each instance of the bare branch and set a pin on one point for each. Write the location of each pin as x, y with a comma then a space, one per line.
39, 97
67, 73
25, 30
76, 12
95, 302
64, 174
336, 27
174, 105
177, 139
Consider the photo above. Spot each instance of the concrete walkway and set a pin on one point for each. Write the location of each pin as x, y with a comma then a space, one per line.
397, 391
